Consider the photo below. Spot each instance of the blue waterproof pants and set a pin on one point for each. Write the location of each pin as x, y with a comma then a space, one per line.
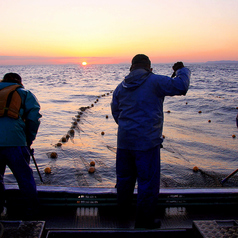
18, 159
143, 166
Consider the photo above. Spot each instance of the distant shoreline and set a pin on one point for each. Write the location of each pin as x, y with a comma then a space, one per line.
222, 62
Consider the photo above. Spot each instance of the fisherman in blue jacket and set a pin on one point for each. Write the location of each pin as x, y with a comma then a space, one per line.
137, 107
16, 137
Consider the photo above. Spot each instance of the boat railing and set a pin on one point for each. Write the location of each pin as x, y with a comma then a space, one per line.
98, 197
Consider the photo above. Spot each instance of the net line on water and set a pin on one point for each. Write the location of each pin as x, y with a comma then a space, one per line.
207, 178
70, 136
204, 178
109, 147
105, 145
86, 164
80, 177
177, 154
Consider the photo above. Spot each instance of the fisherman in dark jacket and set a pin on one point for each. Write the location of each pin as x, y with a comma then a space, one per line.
137, 107
16, 136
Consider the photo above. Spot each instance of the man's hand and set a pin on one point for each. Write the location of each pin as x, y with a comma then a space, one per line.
176, 66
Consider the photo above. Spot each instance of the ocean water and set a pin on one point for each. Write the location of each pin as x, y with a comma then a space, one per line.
191, 138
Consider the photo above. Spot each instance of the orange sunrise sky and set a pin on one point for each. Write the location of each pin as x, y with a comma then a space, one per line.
109, 31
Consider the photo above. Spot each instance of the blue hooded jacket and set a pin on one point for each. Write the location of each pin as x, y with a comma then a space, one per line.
19, 132
137, 106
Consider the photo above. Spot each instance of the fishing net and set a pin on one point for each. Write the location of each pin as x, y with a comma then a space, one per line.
91, 136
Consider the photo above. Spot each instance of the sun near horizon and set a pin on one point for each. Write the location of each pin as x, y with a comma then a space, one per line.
93, 32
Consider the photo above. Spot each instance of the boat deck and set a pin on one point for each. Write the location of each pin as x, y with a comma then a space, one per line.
86, 212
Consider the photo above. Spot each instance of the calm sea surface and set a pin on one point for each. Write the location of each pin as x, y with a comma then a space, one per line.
190, 139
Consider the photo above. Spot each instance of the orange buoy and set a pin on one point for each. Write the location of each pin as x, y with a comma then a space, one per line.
92, 163
47, 170
195, 169
107, 116
82, 109
199, 111
209, 121
233, 136
71, 131
102, 133
53, 155
91, 170
63, 139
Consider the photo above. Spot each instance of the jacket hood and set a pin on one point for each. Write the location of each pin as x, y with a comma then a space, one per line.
6, 84
135, 78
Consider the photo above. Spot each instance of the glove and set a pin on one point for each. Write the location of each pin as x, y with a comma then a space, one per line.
176, 66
